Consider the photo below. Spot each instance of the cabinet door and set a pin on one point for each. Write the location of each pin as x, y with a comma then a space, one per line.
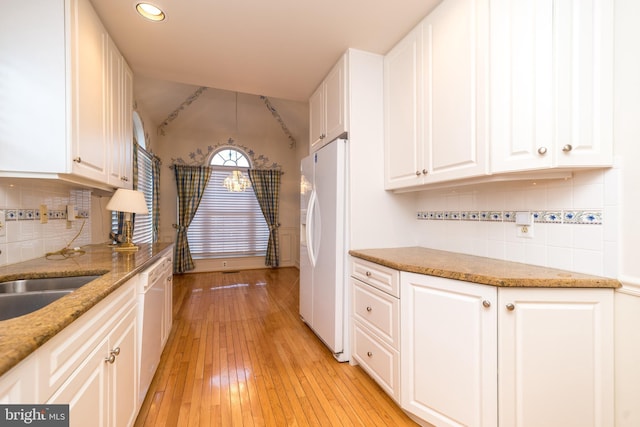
403, 159
455, 37
86, 390
448, 351
334, 100
90, 103
120, 124
123, 372
33, 93
583, 71
316, 118
556, 357
19, 385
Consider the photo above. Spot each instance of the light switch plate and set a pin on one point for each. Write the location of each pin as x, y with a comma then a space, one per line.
3, 225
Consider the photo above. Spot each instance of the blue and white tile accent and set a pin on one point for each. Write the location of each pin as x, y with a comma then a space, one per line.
34, 214
549, 217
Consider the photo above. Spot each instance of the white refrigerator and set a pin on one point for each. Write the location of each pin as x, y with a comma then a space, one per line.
323, 251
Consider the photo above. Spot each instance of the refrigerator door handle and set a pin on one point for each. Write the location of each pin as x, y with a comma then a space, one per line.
310, 228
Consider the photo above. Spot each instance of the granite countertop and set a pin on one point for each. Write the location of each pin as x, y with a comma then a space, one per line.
475, 269
22, 335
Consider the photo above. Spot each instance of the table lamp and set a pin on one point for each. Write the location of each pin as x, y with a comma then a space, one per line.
127, 201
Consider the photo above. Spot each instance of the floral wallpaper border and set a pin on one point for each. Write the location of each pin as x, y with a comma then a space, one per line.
551, 217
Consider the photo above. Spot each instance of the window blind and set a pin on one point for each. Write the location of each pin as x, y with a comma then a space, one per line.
143, 224
227, 224
143, 228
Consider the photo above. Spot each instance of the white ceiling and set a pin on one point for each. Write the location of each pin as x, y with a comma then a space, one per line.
279, 48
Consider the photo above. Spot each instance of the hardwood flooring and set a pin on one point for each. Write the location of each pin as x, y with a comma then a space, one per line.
239, 355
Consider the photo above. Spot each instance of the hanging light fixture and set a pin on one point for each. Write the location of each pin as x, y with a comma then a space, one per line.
236, 182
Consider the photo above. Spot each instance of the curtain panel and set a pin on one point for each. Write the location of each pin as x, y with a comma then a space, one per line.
155, 171
266, 185
190, 182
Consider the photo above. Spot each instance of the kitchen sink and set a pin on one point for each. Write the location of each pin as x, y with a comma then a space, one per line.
19, 297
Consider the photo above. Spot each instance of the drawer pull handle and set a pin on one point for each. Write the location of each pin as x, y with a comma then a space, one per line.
369, 354
510, 307
567, 148
486, 303
542, 151
368, 274
369, 308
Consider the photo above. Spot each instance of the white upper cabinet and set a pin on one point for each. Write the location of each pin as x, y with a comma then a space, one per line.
327, 108
483, 88
435, 98
551, 84
60, 93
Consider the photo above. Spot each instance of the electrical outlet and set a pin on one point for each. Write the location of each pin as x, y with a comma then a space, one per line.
224, 263
3, 225
44, 215
525, 231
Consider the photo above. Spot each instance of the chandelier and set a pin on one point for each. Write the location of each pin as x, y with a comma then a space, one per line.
236, 182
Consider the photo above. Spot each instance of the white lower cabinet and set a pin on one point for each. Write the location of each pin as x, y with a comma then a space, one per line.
555, 354
477, 355
92, 364
448, 352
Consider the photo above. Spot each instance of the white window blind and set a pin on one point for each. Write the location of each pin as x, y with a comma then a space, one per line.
143, 224
143, 227
227, 224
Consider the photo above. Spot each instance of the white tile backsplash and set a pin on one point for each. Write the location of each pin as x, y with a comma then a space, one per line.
573, 243
26, 237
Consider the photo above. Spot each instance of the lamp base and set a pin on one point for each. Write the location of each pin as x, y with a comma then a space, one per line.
126, 247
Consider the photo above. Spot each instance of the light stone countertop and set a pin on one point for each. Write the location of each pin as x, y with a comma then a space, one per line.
475, 269
22, 335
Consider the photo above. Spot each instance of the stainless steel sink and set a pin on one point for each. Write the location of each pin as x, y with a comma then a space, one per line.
20, 297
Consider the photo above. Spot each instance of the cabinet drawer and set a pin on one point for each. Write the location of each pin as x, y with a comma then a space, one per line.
384, 278
378, 359
378, 311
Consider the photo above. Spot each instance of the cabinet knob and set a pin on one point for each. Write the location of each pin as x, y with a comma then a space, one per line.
111, 359
368, 274
567, 148
424, 171
369, 354
486, 303
542, 151
115, 351
418, 173
369, 308
510, 307
77, 160
322, 136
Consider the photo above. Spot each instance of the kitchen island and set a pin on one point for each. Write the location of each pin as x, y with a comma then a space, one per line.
21, 336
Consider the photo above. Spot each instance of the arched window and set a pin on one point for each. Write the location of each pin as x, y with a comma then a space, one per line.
228, 223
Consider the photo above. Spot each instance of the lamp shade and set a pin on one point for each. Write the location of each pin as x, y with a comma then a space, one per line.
128, 201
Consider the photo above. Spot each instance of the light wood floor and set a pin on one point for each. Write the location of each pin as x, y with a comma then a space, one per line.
239, 355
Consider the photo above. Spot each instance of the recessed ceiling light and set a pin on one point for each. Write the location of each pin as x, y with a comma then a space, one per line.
151, 12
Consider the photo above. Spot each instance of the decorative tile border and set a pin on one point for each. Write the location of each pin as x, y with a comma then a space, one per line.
550, 217
34, 214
